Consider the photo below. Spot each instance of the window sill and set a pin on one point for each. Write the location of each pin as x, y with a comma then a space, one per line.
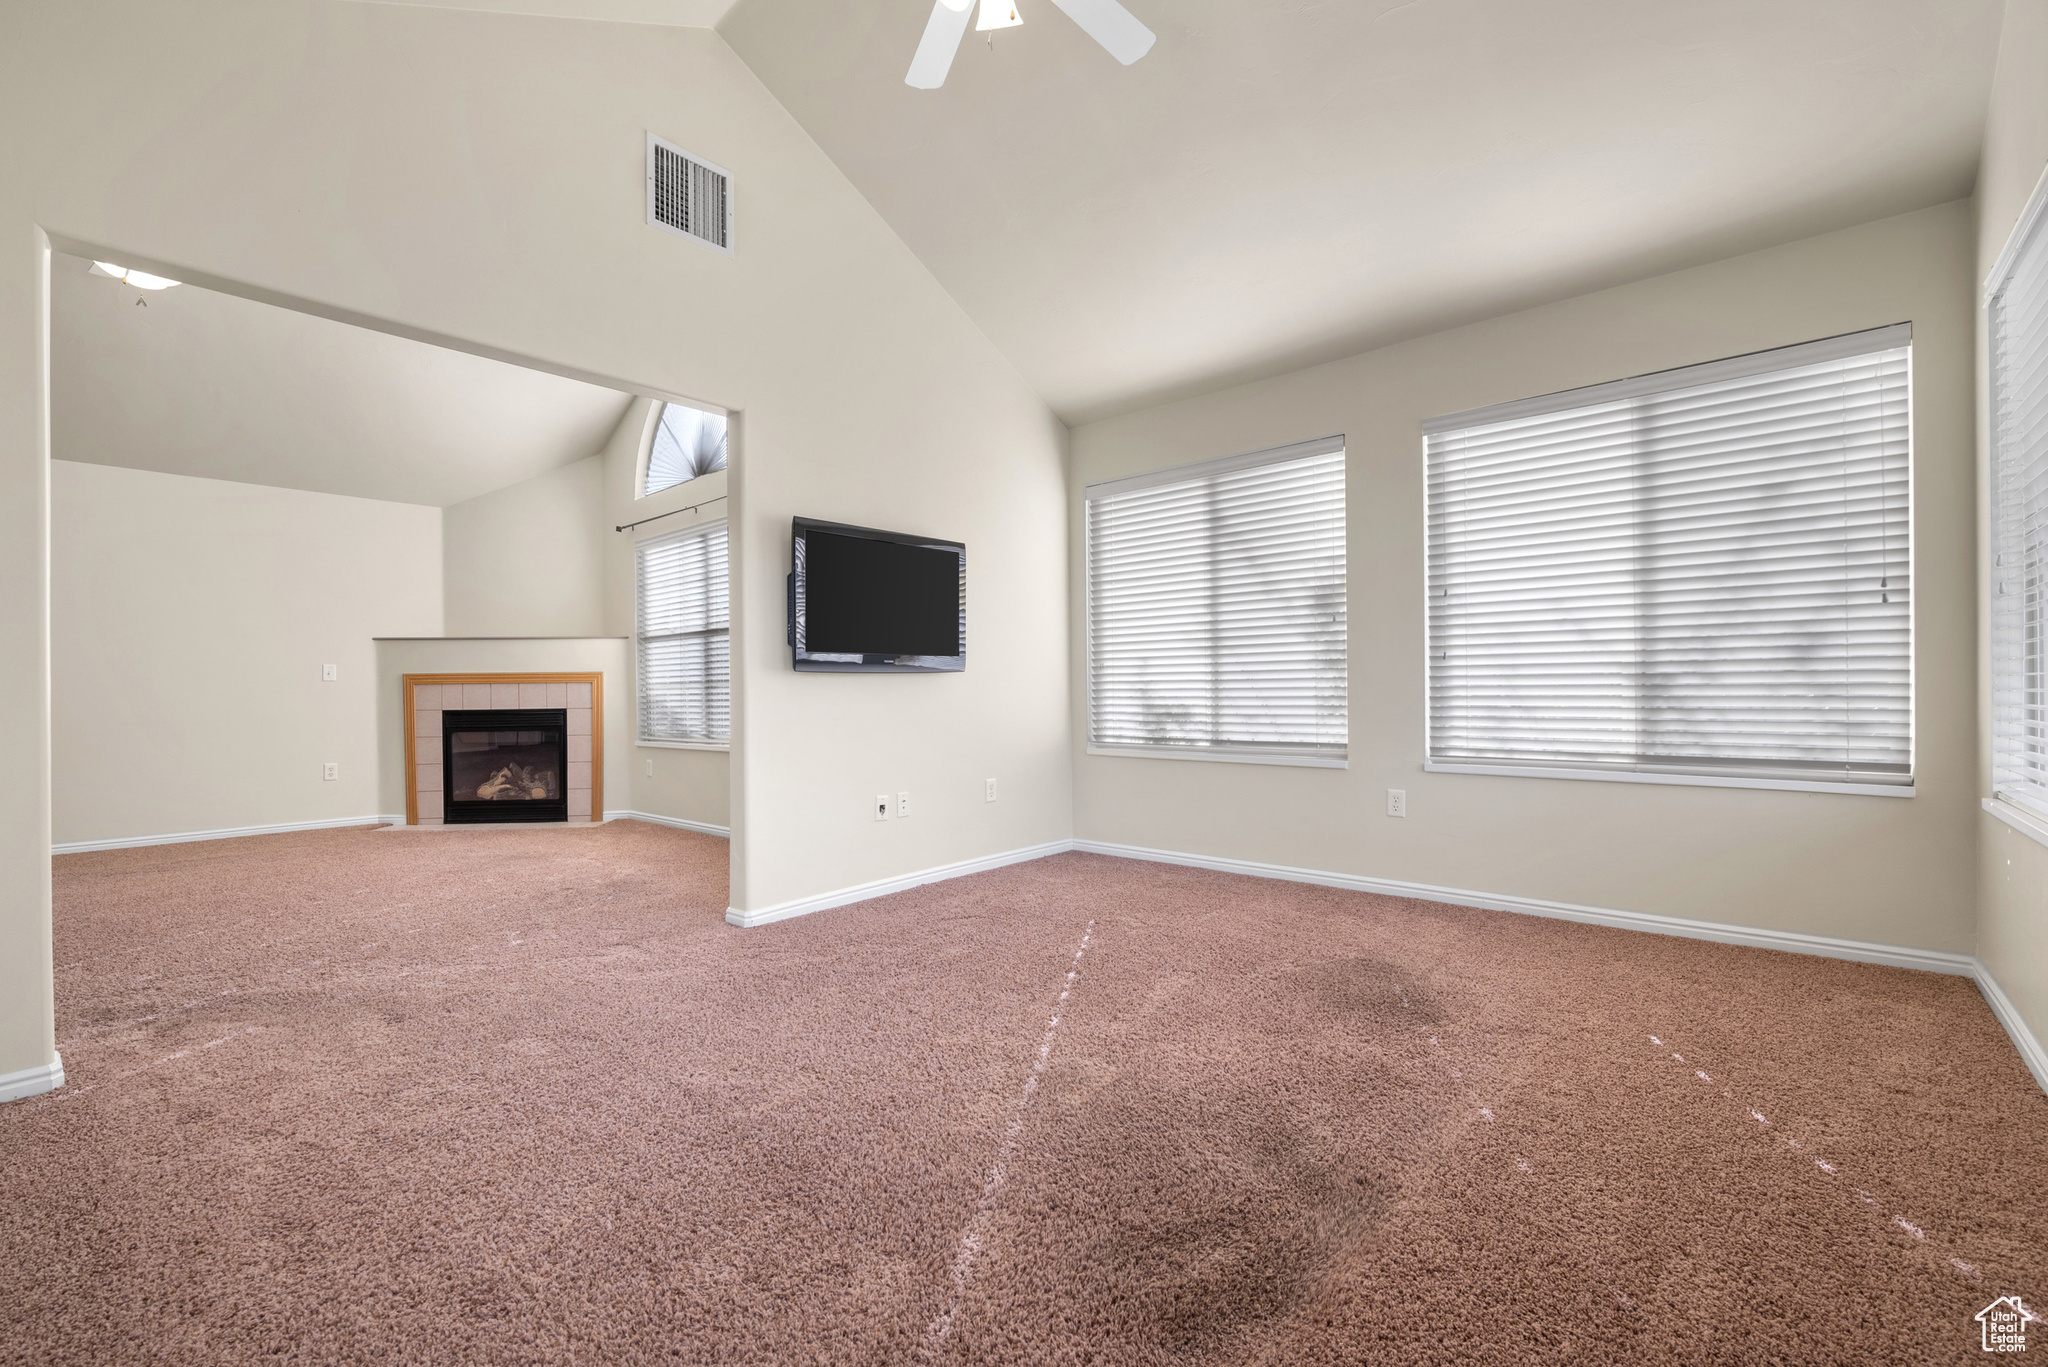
1221, 756
1792, 785
684, 744
2033, 827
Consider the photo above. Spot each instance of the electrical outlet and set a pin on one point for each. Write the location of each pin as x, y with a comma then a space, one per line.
1397, 802
650, 768
328, 673
330, 772
903, 804
991, 791
881, 806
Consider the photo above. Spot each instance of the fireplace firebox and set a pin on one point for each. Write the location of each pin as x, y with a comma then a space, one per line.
505, 765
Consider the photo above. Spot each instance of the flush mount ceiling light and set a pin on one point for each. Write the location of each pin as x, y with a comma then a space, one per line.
1107, 22
140, 279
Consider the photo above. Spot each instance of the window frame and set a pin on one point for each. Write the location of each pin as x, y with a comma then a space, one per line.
705, 528
1842, 346
2024, 811
1176, 474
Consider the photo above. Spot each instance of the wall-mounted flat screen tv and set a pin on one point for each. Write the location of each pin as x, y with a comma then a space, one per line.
863, 601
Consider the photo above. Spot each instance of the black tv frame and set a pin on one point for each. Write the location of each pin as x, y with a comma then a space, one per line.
805, 662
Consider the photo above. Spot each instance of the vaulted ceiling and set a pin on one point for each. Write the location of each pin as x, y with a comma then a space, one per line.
683, 13
190, 382
1288, 181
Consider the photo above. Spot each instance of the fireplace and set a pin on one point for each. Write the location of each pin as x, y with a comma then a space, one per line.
505, 765
478, 700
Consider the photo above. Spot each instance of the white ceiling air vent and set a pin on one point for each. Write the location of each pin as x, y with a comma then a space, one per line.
688, 195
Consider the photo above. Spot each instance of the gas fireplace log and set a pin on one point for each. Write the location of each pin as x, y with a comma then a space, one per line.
515, 781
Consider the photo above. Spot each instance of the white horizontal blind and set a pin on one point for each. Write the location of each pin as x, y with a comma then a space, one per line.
1701, 572
1216, 607
2018, 318
683, 637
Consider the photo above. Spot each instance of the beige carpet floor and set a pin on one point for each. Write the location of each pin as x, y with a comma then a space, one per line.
522, 1096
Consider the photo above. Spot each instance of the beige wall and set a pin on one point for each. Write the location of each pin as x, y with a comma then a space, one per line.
2012, 924
979, 466
1884, 869
190, 620
528, 560
476, 179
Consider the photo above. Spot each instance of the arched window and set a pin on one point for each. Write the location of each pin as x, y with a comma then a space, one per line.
688, 442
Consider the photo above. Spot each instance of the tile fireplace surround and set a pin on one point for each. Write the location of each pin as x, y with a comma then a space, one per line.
428, 695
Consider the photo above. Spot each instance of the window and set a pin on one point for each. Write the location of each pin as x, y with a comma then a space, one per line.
684, 630
2017, 312
1216, 609
1701, 574
688, 442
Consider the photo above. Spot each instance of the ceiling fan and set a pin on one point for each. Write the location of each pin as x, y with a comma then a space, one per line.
1107, 22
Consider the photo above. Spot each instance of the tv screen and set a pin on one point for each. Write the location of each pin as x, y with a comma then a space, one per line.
870, 601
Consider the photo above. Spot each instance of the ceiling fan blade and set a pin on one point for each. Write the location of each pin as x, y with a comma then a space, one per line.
1111, 25
941, 40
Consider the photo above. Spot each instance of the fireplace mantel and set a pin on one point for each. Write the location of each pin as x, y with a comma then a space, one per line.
428, 695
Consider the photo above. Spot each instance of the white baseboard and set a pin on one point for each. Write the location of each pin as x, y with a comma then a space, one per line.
2023, 1037
1826, 946
130, 842
1861, 951
701, 827
32, 1081
884, 886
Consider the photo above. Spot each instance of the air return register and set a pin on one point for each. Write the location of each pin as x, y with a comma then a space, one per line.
688, 195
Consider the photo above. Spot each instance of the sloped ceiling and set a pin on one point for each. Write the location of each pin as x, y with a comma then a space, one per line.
1288, 181
190, 382
683, 13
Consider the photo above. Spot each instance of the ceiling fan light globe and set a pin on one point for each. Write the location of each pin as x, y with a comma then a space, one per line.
997, 14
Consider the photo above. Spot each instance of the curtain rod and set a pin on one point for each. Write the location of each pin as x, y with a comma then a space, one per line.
670, 513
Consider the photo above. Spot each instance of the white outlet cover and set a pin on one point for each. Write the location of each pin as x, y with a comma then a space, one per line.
1397, 802
881, 806
903, 804
991, 791
328, 673
331, 772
